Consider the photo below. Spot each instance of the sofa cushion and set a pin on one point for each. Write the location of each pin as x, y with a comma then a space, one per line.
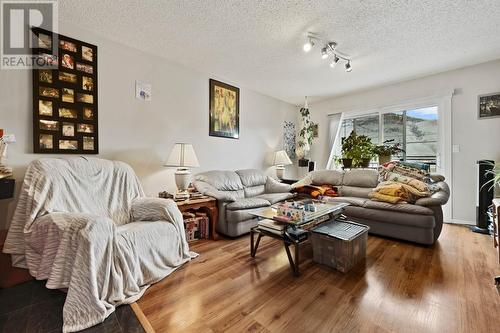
237, 216
253, 191
389, 217
251, 177
354, 201
361, 178
354, 191
247, 203
275, 197
332, 177
221, 180
401, 207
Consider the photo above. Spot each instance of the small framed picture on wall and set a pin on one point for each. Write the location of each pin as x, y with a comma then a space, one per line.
489, 105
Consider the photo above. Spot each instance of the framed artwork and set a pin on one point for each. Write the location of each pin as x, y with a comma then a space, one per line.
64, 95
289, 139
489, 105
224, 115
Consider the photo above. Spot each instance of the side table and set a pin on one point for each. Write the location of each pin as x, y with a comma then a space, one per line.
207, 205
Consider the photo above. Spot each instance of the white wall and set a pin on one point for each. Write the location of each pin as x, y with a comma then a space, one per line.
142, 133
478, 139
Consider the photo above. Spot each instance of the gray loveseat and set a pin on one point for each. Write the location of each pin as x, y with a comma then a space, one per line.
420, 222
237, 192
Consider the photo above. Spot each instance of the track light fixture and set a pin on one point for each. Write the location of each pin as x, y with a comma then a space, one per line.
328, 50
335, 61
324, 53
308, 45
348, 66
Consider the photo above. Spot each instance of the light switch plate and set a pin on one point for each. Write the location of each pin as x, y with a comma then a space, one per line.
456, 148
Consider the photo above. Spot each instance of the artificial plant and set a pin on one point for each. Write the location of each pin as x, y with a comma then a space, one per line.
306, 133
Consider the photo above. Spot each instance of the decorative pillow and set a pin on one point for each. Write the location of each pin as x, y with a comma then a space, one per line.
417, 165
396, 177
316, 190
410, 172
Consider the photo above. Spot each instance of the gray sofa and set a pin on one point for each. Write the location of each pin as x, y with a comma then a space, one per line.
236, 193
420, 222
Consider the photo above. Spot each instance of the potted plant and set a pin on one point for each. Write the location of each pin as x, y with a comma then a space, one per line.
357, 150
386, 150
365, 149
348, 147
307, 133
495, 181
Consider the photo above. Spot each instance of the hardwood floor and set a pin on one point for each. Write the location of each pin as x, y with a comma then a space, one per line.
401, 287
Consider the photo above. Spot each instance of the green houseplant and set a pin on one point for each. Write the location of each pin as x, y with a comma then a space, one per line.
357, 150
386, 150
495, 181
307, 133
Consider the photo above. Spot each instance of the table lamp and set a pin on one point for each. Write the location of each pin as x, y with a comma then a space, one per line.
183, 157
280, 159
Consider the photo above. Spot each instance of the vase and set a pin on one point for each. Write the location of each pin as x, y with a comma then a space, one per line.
382, 159
347, 162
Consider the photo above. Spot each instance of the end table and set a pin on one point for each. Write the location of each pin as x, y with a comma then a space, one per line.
208, 205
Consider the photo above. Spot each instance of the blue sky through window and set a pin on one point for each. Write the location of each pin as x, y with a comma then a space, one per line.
429, 113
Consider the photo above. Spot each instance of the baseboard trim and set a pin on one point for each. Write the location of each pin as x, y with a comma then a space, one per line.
142, 318
458, 221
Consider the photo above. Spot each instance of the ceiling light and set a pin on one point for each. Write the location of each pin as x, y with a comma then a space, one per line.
348, 66
334, 61
324, 53
328, 49
308, 45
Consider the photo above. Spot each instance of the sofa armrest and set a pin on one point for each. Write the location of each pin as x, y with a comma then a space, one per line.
155, 209
207, 189
439, 198
274, 186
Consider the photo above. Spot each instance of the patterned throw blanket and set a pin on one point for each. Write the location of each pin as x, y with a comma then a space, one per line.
401, 183
317, 190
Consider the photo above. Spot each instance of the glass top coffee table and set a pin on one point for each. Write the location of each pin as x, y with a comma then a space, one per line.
290, 232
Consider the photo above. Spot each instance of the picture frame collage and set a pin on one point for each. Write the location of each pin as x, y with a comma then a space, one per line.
65, 113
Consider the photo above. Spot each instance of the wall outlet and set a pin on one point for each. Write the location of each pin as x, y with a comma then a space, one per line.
456, 148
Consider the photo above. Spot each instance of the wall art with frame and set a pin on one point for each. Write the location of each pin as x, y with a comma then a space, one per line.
64, 95
224, 115
489, 105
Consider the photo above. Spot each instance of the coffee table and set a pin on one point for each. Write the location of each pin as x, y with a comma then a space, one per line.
326, 212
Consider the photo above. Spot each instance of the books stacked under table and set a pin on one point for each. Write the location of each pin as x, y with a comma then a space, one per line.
196, 225
278, 228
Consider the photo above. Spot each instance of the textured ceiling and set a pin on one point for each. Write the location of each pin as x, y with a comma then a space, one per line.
258, 43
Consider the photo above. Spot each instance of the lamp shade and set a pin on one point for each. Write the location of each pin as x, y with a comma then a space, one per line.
182, 155
281, 158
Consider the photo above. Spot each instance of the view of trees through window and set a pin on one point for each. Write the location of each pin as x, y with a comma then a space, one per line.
416, 130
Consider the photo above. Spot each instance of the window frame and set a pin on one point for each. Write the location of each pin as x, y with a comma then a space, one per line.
381, 128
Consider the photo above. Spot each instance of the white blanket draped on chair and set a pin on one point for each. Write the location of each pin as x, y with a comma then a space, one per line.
73, 227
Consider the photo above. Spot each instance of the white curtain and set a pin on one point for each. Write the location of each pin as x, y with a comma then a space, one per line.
334, 137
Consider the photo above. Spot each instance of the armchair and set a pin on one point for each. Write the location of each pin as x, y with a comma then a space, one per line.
85, 225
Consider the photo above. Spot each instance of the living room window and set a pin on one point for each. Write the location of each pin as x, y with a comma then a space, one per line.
415, 129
